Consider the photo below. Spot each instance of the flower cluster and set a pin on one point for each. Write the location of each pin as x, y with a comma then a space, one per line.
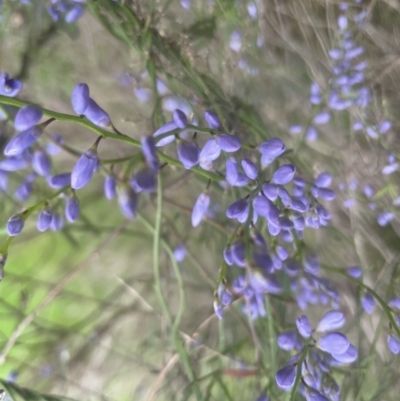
318, 351
69, 10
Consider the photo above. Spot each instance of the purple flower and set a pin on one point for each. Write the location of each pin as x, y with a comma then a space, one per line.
95, 114
41, 163
286, 377
72, 209
144, 181
384, 126
295, 129
354, 271
332, 320
333, 343
235, 42
127, 200
59, 181
8, 86
228, 143
200, 208
23, 141
212, 119
327, 194
304, 327
224, 295
150, 152
384, 218
322, 118
44, 219
180, 119
282, 252
324, 180
74, 13
393, 344
238, 210
15, 225
314, 395
287, 340
368, 191
84, 168
311, 134
27, 117
57, 223
347, 357
80, 98
390, 168
368, 303
218, 309
110, 186
272, 148
188, 154
270, 191
250, 169
394, 303
179, 253
284, 174
168, 127
209, 153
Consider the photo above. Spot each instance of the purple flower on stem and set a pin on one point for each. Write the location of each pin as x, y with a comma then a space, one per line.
110, 186
27, 117
41, 163
84, 168
324, 180
228, 143
80, 98
150, 152
8, 86
168, 127
144, 181
212, 119
15, 225
210, 152
368, 303
238, 210
286, 377
332, 320
188, 154
44, 219
284, 174
287, 340
250, 169
393, 344
333, 343
127, 200
23, 141
57, 223
349, 356
72, 209
59, 181
200, 208
271, 149
303, 326
74, 13
95, 114
180, 119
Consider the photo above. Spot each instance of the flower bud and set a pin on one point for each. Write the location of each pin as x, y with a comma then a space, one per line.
84, 168
44, 219
72, 209
27, 117
80, 98
200, 208
284, 174
15, 225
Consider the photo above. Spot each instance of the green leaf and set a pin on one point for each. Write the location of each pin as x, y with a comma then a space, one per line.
12, 392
